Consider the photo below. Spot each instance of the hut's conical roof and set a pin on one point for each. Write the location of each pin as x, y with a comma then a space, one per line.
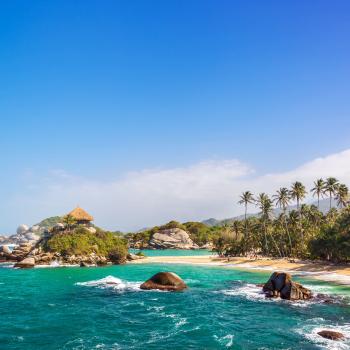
80, 214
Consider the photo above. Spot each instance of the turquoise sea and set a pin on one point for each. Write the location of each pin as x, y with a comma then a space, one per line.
76, 308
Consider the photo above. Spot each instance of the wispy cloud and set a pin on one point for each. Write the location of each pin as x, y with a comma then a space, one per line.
154, 196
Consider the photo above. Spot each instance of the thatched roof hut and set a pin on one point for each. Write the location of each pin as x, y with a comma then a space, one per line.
81, 216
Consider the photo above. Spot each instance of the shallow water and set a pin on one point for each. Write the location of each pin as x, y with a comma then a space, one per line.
173, 252
79, 308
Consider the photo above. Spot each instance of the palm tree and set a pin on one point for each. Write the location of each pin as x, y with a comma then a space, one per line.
331, 187
236, 227
318, 190
298, 192
246, 198
266, 206
282, 199
342, 195
69, 221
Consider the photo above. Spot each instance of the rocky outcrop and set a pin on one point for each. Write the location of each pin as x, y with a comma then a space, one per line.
21, 251
280, 284
132, 257
168, 281
26, 263
331, 335
173, 238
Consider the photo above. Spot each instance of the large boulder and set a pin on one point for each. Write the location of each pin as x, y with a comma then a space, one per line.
21, 229
280, 284
26, 263
164, 281
5, 249
332, 335
173, 238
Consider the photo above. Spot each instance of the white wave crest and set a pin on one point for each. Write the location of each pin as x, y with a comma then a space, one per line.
112, 282
249, 291
310, 330
226, 340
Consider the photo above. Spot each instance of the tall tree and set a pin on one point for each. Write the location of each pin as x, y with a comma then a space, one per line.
331, 187
298, 192
318, 190
246, 198
265, 205
342, 195
282, 198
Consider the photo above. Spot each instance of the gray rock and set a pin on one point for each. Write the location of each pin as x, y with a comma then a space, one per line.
22, 229
173, 238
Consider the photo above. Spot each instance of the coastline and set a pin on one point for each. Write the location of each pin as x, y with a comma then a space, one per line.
339, 274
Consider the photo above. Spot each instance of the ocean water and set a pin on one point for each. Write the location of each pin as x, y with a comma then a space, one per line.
79, 308
173, 252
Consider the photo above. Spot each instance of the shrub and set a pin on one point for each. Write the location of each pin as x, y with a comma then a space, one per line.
80, 241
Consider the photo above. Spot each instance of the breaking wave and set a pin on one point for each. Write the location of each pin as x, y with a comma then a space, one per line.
111, 282
315, 325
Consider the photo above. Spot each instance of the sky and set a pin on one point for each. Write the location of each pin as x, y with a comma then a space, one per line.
147, 111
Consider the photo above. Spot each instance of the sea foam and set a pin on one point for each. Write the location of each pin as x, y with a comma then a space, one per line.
315, 325
112, 282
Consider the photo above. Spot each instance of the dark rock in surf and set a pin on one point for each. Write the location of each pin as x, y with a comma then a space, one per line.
164, 281
280, 284
331, 335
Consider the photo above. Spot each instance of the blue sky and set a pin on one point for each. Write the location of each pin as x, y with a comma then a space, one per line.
94, 90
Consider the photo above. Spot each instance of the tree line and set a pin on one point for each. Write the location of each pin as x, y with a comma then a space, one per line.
304, 232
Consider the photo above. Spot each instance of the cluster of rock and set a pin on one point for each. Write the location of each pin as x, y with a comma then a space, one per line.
170, 238
280, 285
24, 234
30, 254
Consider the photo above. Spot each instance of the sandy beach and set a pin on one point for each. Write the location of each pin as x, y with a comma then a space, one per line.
323, 271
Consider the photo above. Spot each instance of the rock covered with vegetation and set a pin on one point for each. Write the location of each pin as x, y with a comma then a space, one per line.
172, 238
75, 245
174, 235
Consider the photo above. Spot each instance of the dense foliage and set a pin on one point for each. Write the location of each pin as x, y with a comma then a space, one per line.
81, 241
199, 232
305, 232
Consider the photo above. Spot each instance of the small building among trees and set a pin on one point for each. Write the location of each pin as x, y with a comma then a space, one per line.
81, 217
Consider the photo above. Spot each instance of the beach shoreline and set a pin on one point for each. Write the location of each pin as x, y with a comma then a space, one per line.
328, 272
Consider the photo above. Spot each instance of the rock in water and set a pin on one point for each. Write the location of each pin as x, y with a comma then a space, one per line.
295, 291
173, 238
280, 284
26, 263
332, 335
164, 281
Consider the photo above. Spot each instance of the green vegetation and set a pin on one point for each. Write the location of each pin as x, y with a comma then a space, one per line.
199, 232
81, 241
305, 232
50, 222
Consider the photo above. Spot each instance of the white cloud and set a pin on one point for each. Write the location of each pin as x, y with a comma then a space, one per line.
149, 197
